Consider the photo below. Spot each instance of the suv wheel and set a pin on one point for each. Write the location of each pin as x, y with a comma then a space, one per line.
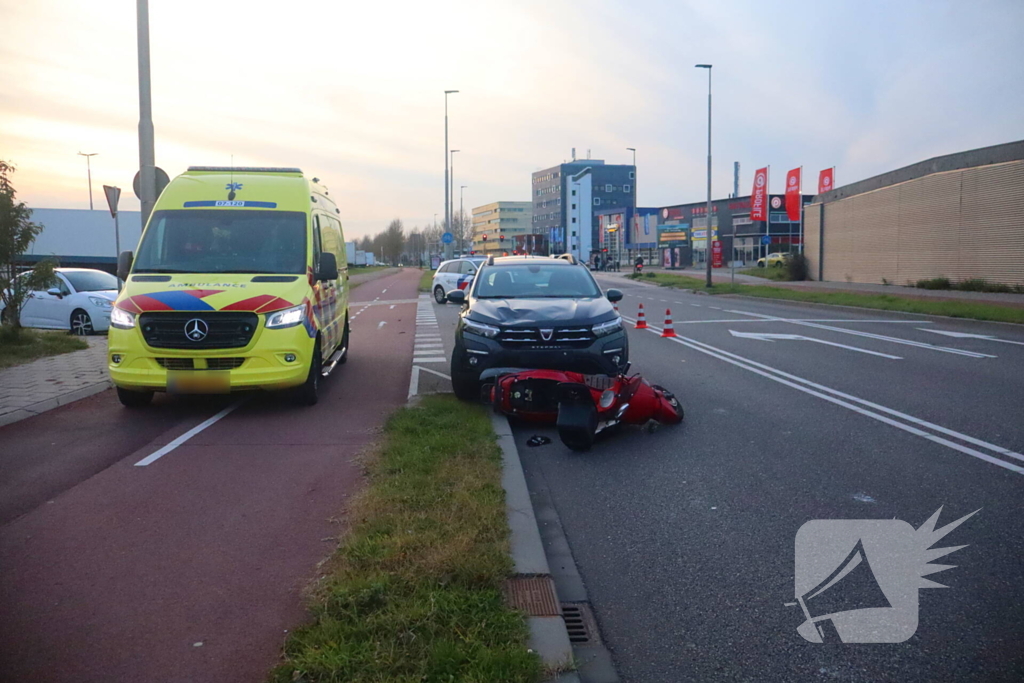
466, 387
439, 295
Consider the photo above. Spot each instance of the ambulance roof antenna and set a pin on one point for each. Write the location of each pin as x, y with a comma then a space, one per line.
231, 180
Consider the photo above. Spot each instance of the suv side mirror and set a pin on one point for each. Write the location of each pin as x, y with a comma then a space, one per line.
124, 264
327, 269
614, 295
456, 296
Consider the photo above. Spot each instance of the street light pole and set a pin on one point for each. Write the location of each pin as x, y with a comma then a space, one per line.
451, 192
707, 251
88, 170
447, 217
633, 150
147, 157
462, 219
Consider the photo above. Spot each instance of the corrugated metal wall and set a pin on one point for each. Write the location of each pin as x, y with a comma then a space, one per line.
959, 224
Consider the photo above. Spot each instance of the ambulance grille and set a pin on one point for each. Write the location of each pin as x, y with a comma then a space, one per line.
224, 329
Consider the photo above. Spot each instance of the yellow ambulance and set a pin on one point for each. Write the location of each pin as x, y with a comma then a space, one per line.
240, 282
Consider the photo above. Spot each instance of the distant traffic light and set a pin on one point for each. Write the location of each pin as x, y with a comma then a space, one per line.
485, 238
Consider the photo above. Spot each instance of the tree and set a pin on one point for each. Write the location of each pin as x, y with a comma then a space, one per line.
366, 244
17, 233
393, 239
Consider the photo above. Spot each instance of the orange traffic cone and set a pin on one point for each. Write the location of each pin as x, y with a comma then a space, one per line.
669, 331
641, 321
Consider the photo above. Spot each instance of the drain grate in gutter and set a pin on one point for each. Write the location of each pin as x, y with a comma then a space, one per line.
534, 595
579, 622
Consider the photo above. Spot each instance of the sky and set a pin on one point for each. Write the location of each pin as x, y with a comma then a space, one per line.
352, 92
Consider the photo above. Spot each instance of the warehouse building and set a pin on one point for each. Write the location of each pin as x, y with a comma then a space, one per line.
957, 216
82, 238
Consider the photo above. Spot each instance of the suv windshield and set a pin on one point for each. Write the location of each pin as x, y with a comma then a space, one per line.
535, 281
91, 281
224, 241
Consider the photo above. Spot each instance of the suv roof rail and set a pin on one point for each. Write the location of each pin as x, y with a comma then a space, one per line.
570, 258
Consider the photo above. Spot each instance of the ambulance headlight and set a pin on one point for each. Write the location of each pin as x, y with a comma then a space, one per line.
289, 317
121, 319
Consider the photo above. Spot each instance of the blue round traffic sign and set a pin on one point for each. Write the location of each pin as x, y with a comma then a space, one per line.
765, 239
447, 238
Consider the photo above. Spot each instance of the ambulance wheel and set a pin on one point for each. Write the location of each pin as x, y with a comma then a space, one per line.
439, 296
308, 393
134, 399
346, 339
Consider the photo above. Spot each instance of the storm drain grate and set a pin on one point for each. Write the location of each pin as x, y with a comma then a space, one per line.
579, 622
533, 595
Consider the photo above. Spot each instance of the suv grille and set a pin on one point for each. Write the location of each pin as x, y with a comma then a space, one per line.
532, 337
224, 329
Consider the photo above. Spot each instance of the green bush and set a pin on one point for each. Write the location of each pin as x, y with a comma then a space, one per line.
797, 267
934, 283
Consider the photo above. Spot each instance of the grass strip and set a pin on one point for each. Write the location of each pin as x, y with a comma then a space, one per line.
884, 302
426, 280
413, 593
31, 344
769, 273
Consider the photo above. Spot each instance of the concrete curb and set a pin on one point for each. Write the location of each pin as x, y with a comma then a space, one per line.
548, 635
56, 402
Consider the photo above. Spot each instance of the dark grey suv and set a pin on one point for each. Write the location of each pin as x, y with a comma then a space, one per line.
535, 312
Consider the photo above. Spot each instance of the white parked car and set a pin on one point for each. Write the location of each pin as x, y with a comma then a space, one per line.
80, 300
455, 274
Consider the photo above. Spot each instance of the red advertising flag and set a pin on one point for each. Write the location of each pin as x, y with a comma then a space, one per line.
793, 194
826, 179
759, 196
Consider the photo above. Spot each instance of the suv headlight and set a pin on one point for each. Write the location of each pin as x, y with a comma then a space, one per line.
121, 319
489, 331
289, 317
100, 302
606, 328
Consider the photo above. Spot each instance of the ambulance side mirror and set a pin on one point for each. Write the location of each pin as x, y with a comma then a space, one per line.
327, 269
124, 264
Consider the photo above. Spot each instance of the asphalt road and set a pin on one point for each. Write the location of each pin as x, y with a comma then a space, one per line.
191, 567
684, 536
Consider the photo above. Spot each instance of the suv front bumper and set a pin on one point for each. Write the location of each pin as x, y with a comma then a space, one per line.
606, 356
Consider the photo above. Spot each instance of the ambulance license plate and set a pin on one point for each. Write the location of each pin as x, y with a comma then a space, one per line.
199, 382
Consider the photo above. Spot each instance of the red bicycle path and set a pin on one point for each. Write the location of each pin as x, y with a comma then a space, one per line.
191, 568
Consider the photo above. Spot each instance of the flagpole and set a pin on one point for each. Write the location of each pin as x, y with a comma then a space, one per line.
800, 191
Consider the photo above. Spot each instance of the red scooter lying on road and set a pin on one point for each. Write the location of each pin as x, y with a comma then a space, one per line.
580, 406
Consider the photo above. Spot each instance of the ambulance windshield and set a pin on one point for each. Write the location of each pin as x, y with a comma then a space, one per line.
224, 241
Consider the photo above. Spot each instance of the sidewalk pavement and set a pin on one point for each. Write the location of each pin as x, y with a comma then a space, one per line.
44, 384
722, 275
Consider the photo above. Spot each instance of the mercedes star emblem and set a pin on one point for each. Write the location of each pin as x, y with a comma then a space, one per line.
196, 329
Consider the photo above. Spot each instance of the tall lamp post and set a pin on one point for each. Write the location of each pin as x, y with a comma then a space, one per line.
709, 232
88, 170
447, 216
633, 150
462, 213
147, 156
451, 190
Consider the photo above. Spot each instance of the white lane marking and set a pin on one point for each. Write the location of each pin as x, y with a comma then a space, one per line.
430, 359
715, 308
414, 379
161, 452
870, 335
966, 335
799, 337
384, 291
748, 364
697, 305
381, 324
391, 306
